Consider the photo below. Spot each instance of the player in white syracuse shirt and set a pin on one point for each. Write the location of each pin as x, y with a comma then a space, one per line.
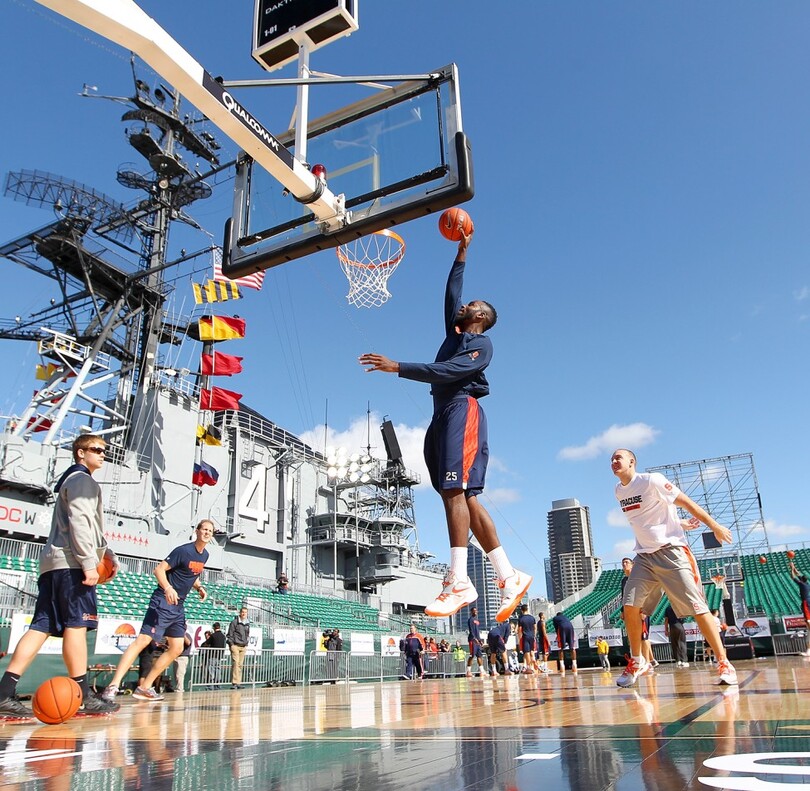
663, 560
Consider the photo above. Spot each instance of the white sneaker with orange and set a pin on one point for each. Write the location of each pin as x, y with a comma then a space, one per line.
453, 597
726, 674
513, 589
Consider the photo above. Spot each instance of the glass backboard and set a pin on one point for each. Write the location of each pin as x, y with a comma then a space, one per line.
395, 156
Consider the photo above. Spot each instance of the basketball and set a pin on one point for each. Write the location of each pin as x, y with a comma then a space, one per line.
56, 700
105, 569
453, 222
791, 554
763, 560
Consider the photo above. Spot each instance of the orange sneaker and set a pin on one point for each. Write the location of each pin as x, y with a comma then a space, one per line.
512, 591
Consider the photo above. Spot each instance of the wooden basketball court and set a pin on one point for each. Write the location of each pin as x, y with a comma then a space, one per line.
572, 731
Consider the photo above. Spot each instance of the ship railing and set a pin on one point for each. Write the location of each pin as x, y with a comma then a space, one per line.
65, 347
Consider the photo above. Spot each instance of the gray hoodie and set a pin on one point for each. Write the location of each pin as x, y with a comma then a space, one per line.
76, 540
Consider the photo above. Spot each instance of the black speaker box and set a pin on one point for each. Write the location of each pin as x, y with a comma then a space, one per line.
739, 648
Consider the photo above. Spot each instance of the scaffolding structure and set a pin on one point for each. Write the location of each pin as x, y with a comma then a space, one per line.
727, 488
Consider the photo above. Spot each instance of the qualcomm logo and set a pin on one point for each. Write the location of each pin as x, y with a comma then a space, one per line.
234, 107
795, 764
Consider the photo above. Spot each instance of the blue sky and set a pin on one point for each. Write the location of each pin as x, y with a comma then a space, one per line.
642, 194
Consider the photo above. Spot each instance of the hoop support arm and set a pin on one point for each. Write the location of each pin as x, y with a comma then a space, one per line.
125, 23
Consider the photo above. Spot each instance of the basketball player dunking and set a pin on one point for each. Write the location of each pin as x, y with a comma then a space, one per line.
456, 450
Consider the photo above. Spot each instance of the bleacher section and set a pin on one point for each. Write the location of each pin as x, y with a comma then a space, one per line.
768, 586
768, 589
607, 587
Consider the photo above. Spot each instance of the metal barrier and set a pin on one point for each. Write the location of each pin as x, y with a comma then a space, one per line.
331, 667
662, 652
787, 644
211, 668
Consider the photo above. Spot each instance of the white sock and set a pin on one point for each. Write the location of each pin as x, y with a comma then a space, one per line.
458, 563
503, 568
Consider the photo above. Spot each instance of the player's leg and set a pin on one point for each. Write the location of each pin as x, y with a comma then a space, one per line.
47, 620
163, 661
680, 578
443, 457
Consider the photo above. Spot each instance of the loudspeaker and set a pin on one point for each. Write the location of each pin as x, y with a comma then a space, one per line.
710, 541
739, 647
391, 443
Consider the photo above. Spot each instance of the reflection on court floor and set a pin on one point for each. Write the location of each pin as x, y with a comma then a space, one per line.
675, 730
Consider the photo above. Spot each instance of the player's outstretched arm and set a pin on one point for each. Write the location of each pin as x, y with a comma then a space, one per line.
722, 534
376, 362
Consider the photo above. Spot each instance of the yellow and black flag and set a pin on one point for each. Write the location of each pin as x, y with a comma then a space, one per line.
213, 291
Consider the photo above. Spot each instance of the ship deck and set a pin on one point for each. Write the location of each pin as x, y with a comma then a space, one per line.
573, 731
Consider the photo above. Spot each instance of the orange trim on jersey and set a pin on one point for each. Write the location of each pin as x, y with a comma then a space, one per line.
470, 448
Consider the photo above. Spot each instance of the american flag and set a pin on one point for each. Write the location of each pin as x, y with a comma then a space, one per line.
249, 281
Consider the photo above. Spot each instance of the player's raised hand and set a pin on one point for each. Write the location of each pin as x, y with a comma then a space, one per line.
376, 362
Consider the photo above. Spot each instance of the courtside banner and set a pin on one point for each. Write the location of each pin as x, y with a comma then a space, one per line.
254, 646
361, 643
794, 623
389, 645
754, 626
614, 637
659, 636
115, 635
19, 626
289, 642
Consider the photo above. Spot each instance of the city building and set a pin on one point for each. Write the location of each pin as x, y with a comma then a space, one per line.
570, 544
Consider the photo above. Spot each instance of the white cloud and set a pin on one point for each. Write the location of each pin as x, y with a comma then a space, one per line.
801, 294
356, 438
502, 496
623, 549
632, 436
616, 518
776, 530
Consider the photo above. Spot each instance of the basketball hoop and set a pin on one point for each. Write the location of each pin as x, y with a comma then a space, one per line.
719, 581
368, 262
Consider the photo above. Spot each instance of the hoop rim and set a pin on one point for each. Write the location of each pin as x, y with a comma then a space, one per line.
343, 255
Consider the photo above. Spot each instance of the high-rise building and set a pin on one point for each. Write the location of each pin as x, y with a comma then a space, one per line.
482, 575
570, 544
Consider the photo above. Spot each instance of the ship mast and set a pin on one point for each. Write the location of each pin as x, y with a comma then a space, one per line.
110, 323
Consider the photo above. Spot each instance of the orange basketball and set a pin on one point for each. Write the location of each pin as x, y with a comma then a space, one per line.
56, 700
791, 554
453, 222
105, 569
763, 560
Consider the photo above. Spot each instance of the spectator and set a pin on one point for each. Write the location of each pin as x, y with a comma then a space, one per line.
283, 584
334, 645
459, 654
181, 665
675, 631
238, 638
602, 650
413, 648
214, 644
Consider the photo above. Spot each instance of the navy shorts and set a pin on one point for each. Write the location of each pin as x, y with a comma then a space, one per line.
64, 602
475, 649
163, 620
566, 639
528, 644
456, 450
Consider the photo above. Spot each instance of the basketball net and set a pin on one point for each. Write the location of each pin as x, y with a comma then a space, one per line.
720, 583
368, 262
